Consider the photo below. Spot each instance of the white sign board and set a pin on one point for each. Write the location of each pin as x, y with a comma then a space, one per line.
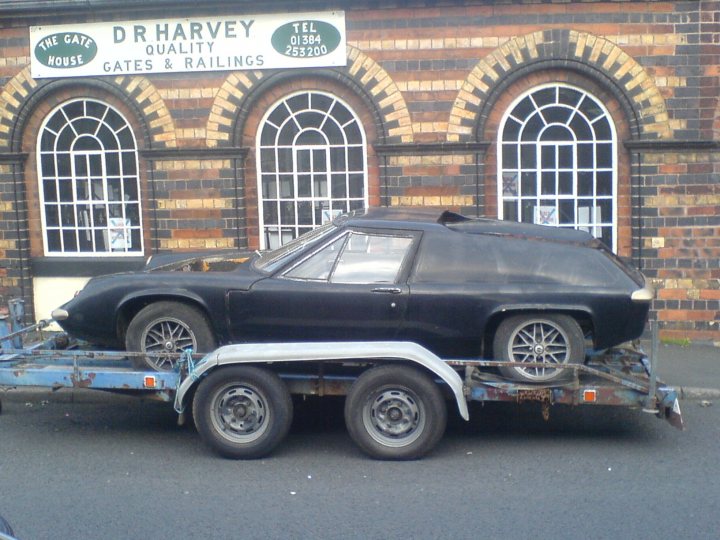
248, 42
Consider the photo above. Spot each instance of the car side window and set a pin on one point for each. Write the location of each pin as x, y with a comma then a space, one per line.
318, 266
356, 258
371, 259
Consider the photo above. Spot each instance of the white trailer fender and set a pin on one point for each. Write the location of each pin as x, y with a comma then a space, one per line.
338, 351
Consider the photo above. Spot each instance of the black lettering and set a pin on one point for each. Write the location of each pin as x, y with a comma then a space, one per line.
118, 34
179, 32
162, 31
246, 25
195, 30
214, 31
139, 33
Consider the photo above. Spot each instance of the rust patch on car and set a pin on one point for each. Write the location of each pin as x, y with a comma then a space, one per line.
212, 264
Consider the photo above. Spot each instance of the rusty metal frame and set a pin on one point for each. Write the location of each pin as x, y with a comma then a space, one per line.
621, 377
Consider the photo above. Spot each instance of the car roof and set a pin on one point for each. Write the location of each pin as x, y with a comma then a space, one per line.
426, 218
400, 217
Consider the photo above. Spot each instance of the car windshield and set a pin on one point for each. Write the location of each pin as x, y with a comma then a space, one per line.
269, 261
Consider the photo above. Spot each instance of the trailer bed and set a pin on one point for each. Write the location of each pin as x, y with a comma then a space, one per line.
622, 377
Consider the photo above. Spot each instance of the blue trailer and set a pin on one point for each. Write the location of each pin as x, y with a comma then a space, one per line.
397, 393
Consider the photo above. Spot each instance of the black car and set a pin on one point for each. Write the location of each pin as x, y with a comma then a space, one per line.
463, 288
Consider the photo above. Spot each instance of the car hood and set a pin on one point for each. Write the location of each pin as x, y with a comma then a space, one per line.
206, 261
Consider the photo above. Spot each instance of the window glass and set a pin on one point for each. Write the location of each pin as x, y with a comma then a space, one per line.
270, 261
89, 183
371, 259
566, 174
319, 266
356, 258
313, 157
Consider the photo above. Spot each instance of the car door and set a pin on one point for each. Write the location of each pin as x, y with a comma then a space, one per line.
351, 288
454, 287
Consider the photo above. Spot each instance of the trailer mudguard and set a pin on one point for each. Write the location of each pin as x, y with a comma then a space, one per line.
330, 351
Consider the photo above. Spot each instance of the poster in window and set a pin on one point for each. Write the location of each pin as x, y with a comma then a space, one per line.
546, 215
510, 185
589, 215
119, 234
328, 215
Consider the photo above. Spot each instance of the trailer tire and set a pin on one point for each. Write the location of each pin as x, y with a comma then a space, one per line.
552, 339
395, 413
167, 327
242, 412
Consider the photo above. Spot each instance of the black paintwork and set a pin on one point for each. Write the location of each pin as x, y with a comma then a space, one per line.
459, 280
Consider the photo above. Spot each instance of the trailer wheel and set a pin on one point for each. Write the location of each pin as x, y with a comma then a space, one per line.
551, 340
242, 412
395, 412
167, 327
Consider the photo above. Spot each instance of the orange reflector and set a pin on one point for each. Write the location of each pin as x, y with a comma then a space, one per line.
590, 396
150, 381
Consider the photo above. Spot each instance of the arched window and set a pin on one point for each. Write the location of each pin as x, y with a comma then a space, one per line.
311, 165
89, 184
557, 162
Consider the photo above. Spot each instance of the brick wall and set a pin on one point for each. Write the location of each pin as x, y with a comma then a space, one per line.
430, 84
681, 244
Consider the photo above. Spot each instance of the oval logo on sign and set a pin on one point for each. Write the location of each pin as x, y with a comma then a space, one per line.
306, 39
65, 50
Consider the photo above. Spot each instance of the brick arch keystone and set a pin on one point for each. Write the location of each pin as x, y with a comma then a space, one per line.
363, 71
569, 49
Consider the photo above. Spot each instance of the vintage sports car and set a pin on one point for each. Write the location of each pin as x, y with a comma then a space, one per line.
463, 288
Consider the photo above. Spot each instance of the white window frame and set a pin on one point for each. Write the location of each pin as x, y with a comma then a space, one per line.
286, 232
591, 225
117, 230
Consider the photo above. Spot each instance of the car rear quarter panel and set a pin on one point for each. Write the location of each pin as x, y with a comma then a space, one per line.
463, 285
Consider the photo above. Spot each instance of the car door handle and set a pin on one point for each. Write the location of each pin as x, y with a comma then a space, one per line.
387, 290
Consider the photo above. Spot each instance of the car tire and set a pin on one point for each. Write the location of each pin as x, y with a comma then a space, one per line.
395, 413
242, 412
167, 327
552, 339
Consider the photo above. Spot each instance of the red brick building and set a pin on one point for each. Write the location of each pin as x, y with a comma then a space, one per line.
598, 115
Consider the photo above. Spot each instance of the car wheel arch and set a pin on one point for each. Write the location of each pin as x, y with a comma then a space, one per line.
581, 314
131, 305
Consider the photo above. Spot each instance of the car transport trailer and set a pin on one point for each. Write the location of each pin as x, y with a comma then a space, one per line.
396, 392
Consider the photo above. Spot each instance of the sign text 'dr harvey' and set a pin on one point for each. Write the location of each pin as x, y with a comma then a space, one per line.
184, 31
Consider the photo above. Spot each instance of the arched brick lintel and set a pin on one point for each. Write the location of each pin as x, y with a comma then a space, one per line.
594, 56
22, 94
362, 75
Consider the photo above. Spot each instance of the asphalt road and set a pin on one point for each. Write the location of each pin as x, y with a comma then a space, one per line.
122, 469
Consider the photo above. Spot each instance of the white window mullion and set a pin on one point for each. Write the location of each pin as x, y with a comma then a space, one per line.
574, 118
87, 147
336, 123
